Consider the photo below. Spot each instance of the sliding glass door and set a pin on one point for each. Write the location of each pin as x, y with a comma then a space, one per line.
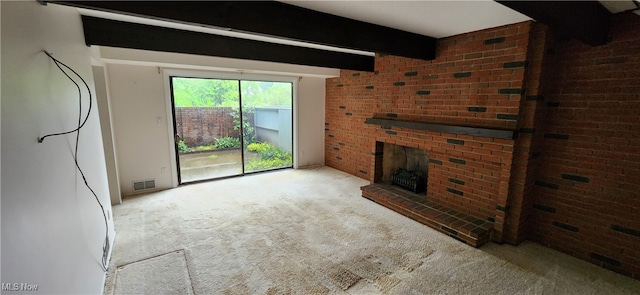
229, 127
267, 125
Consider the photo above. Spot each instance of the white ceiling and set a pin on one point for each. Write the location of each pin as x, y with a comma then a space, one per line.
431, 18
209, 30
435, 18
617, 6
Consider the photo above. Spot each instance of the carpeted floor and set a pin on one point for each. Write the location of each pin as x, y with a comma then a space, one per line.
309, 231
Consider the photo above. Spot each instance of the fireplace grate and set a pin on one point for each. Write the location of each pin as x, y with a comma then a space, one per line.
410, 180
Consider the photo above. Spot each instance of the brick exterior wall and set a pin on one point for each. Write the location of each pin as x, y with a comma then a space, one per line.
571, 178
202, 125
587, 199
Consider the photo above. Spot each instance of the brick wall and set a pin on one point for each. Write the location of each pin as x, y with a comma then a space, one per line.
570, 180
476, 80
464, 171
526, 151
202, 125
587, 192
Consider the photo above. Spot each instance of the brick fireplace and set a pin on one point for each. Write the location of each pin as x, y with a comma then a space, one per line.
567, 176
464, 109
403, 166
464, 174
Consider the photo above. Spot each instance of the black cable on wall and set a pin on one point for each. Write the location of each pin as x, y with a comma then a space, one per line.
81, 123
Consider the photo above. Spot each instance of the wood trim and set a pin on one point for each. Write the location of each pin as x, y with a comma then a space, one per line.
473, 131
587, 21
98, 31
276, 19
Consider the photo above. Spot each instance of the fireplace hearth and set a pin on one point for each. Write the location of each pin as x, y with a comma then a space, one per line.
405, 183
410, 180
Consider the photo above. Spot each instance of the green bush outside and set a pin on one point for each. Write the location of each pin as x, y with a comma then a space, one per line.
202, 148
220, 143
226, 143
182, 147
270, 157
258, 147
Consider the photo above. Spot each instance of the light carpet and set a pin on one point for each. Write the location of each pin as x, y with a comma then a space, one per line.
309, 231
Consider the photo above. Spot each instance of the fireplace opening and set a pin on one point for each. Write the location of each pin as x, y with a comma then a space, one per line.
405, 167
409, 180
395, 161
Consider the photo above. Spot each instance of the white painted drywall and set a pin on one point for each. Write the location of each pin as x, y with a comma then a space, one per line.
311, 98
138, 99
52, 227
138, 107
210, 63
102, 97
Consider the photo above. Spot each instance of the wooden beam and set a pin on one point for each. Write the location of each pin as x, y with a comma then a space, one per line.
98, 31
587, 21
276, 19
474, 131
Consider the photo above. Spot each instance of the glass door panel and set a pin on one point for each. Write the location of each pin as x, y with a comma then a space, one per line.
206, 122
227, 127
267, 125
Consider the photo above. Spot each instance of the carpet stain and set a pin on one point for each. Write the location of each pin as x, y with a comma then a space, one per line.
411, 260
316, 290
344, 279
307, 290
369, 267
272, 291
306, 268
386, 283
237, 289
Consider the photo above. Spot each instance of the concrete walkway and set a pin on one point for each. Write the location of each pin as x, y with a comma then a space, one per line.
212, 164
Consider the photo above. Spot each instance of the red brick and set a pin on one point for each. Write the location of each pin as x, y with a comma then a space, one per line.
598, 109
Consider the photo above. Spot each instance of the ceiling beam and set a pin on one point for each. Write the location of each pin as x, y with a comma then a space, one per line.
587, 21
99, 31
276, 19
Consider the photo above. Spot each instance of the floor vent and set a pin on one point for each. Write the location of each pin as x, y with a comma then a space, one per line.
144, 185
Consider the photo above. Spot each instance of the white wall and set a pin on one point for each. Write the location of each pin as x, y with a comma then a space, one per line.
210, 63
52, 227
137, 100
104, 111
311, 98
137, 97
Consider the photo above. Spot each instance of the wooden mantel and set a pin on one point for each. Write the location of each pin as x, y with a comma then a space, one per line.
473, 131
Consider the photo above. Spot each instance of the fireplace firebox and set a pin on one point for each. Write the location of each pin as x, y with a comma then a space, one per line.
401, 183
405, 167
410, 180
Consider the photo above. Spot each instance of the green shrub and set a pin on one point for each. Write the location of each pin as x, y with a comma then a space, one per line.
268, 151
258, 147
274, 154
227, 143
270, 157
248, 131
201, 148
182, 147
267, 164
